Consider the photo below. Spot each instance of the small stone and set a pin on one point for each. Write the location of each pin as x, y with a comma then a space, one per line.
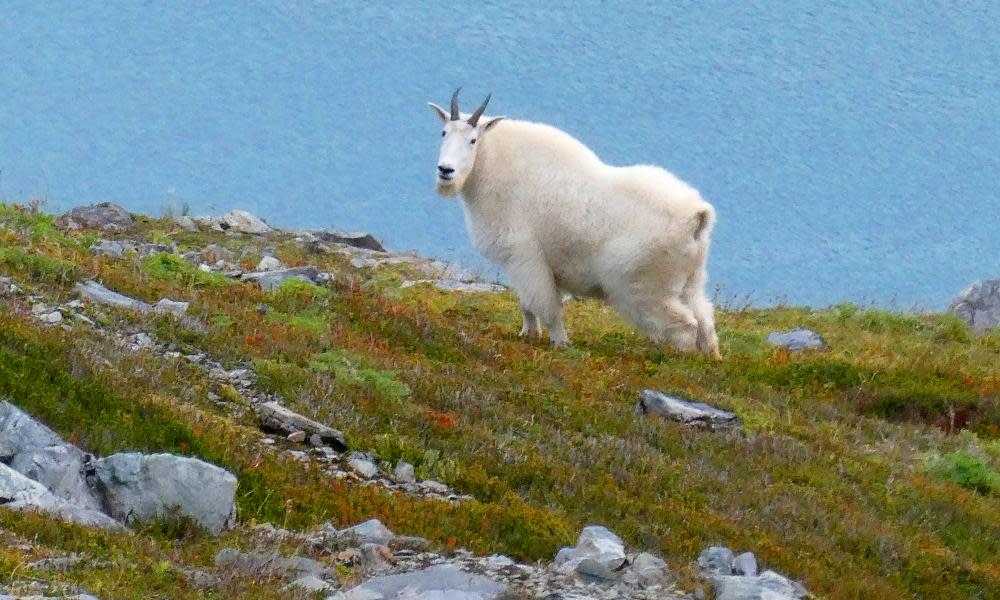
174, 307
309, 583
362, 465
797, 339
371, 531
244, 222
716, 560
434, 487
684, 411
404, 472
109, 248
186, 223
269, 263
297, 437
51, 318
745, 564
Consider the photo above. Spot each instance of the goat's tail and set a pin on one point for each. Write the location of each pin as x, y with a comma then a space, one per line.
704, 219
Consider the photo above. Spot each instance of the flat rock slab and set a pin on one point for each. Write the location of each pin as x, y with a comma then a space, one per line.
797, 339
767, 586
657, 403
350, 238
139, 487
278, 419
270, 280
979, 305
243, 222
98, 294
17, 492
440, 582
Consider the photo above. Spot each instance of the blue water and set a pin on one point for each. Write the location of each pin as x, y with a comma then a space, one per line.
853, 153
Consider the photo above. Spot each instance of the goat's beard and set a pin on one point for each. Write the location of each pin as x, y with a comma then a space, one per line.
449, 189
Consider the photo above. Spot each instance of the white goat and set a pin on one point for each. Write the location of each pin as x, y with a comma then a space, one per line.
556, 219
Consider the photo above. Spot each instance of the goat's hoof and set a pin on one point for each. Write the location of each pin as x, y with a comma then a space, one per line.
560, 345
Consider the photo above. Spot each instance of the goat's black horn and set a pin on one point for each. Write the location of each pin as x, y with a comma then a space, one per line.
474, 119
454, 104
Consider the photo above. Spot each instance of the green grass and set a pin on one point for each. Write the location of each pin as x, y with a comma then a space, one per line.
174, 269
828, 479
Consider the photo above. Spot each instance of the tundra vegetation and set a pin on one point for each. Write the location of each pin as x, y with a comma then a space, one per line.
868, 470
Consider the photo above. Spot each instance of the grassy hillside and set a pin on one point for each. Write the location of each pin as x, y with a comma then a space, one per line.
866, 471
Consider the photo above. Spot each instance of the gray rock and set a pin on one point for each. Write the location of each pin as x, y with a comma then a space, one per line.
186, 223
98, 294
297, 437
143, 487
767, 586
175, 307
979, 305
108, 248
362, 465
647, 569
105, 216
51, 318
598, 553
716, 560
440, 582
270, 280
38, 453
17, 492
684, 411
454, 285
243, 222
268, 564
213, 253
797, 339
278, 419
404, 472
745, 564
371, 531
354, 239
269, 263
309, 583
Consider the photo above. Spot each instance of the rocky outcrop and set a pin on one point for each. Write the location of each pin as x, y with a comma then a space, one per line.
18, 492
652, 402
138, 487
979, 305
736, 578
105, 216
797, 339
598, 553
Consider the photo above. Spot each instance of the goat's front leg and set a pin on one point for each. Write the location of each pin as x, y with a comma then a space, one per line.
539, 298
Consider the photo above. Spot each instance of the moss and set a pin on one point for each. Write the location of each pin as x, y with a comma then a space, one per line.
349, 369
969, 472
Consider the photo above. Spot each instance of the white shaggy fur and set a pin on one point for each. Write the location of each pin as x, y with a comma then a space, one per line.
543, 207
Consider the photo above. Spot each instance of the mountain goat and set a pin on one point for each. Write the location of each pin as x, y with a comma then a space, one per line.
556, 219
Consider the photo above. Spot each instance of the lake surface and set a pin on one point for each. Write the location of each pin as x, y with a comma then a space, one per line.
853, 154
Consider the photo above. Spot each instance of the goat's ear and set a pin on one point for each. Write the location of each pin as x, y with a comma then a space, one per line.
440, 112
491, 122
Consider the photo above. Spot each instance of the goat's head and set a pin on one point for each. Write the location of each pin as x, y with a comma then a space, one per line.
459, 144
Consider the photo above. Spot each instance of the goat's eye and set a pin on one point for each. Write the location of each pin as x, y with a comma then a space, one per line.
443, 133
472, 141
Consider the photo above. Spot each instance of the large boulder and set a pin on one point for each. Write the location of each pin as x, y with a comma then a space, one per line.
17, 492
243, 222
598, 553
106, 216
440, 582
979, 305
140, 487
35, 451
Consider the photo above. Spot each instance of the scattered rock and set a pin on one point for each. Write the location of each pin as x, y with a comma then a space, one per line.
311, 584
598, 553
371, 531
684, 411
404, 473
439, 582
354, 239
363, 465
745, 564
269, 263
98, 294
797, 339
108, 248
979, 305
142, 487
270, 280
647, 569
716, 560
243, 222
767, 586
276, 418
51, 318
175, 307
269, 564
106, 216
213, 253
297, 437
186, 223
453, 285
17, 492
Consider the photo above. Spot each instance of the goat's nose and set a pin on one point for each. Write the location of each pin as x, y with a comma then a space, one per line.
445, 170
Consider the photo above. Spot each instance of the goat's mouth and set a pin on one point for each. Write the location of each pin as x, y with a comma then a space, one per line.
445, 178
